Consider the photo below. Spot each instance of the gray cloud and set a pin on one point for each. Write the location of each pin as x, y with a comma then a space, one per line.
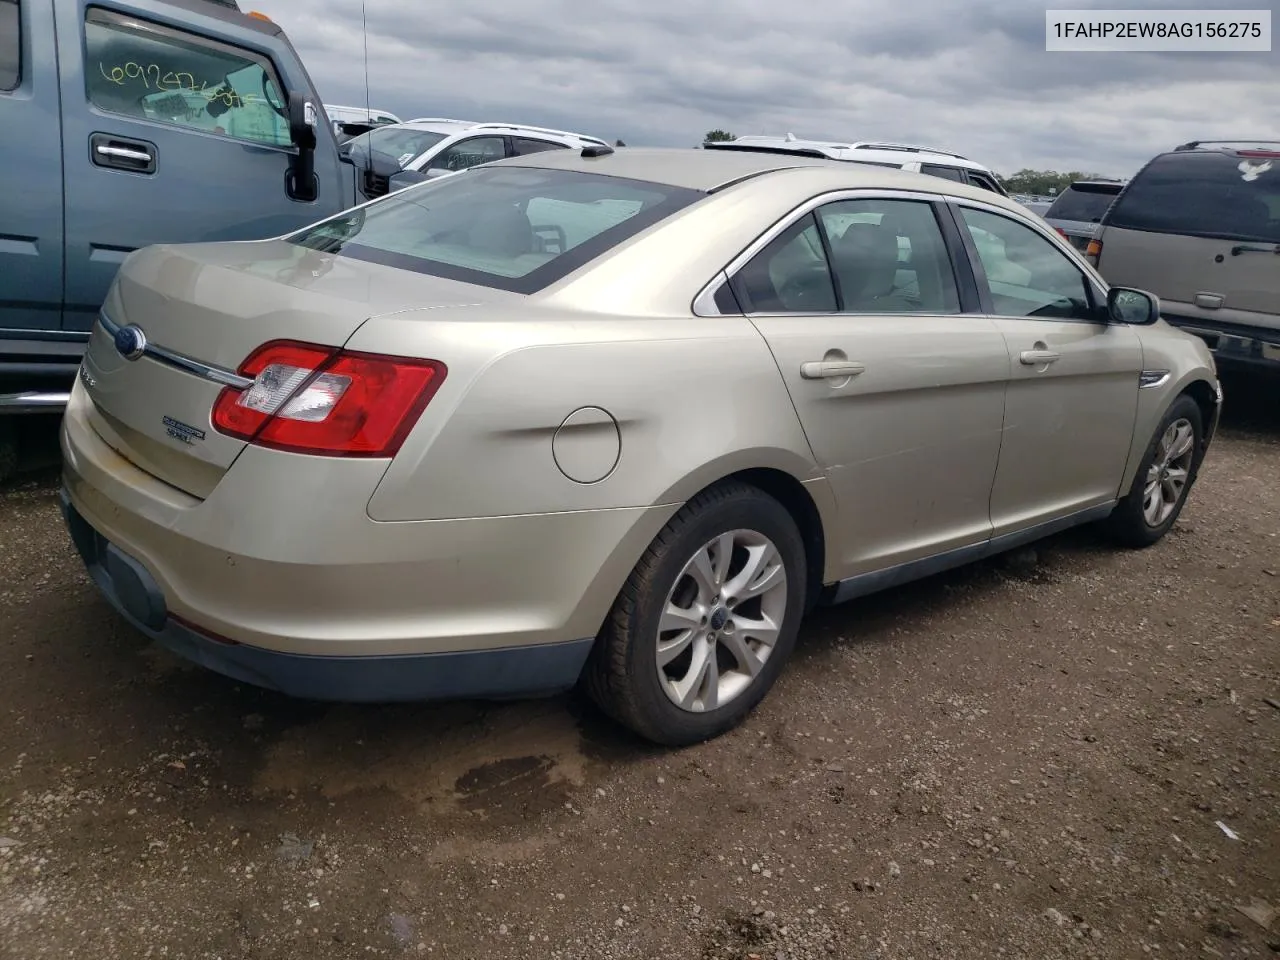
972, 77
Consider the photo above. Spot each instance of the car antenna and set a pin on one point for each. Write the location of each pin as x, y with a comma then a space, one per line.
364, 18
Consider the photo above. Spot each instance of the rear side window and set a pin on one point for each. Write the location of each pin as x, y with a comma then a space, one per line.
1210, 194
522, 146
985, 182
10, 45
1086, 203
513, 228
141, 70
939, 170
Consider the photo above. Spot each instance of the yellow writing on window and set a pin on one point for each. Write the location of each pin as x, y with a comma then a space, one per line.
154, 78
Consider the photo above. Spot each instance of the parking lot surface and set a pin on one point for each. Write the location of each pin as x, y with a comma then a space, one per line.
1071, 751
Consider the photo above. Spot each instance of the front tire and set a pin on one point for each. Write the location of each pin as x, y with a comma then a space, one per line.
705, 622
1164, 478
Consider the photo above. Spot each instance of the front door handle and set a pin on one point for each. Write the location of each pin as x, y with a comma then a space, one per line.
119, 153
1038, 357
830, 369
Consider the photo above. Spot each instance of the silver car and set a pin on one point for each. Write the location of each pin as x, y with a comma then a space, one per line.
618, 418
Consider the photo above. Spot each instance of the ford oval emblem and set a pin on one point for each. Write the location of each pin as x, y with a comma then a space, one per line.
131, 342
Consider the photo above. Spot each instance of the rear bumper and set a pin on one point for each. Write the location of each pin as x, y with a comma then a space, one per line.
481, 674
1232, 344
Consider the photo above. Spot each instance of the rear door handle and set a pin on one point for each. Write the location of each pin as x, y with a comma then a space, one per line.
119, 153
830, 369
1034, 358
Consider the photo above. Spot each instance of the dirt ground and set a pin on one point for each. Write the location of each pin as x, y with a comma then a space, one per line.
1074, 753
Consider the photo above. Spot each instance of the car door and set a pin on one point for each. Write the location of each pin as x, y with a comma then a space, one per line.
899, 389
171, 136
31, 200
1073, 387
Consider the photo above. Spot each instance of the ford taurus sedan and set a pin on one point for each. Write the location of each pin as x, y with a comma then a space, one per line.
609, 418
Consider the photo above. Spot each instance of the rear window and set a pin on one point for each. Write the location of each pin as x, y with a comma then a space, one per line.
1216, 195
10, 45
402, 144
513, 228
1085, 203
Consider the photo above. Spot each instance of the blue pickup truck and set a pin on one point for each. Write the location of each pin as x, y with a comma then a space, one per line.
132, 122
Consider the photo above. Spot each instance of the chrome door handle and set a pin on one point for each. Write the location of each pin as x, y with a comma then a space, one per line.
1034, 358
830, 369
124, 153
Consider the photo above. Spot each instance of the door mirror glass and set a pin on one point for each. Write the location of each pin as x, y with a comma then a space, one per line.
1136, 307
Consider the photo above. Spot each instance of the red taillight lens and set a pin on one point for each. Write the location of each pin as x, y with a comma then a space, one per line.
320, 400
1061, 232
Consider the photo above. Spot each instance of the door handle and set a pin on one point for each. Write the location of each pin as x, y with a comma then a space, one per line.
118, 153
1034, 358
830, 369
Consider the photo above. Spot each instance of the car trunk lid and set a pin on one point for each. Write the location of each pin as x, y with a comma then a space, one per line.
202, 310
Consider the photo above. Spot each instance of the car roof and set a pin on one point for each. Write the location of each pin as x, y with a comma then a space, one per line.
710, 170
448, 126
857, 151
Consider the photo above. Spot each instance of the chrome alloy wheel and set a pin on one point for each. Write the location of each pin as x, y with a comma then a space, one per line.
1169, 471
721, 620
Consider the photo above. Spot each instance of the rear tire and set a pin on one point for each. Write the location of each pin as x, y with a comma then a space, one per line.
1164, 479
706, 621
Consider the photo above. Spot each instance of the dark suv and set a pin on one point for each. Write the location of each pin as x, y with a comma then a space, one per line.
1199, 226
1078, 210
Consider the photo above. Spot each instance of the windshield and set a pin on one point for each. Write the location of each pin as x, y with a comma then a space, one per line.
1209, 194
402, 143
1083, 204
513, 228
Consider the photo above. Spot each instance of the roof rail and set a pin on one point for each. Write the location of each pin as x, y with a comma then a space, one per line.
904, 148
436, 120
525, 126
1193, 144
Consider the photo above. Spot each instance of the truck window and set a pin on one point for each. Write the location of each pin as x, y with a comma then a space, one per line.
10, 45
148, 72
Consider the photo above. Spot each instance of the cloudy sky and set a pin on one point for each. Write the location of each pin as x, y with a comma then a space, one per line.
971, 77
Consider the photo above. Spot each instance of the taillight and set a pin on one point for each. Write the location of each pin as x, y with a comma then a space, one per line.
321, 400
1061, 232
1259, 154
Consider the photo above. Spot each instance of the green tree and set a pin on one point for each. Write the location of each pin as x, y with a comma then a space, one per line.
718, 136
1044, 182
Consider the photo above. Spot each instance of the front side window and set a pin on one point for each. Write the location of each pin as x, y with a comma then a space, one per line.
136, 69
10, 45
888, 256
403, 144
517, 228
469, 153
1208, 194
1026, 274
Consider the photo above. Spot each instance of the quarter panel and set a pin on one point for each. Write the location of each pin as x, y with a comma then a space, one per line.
691, 398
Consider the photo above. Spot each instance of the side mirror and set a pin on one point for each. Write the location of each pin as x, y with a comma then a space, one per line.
405, 178
1134, 307
435, 173
302, 130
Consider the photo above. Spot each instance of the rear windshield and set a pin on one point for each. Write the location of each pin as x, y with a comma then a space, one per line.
513, 228
1084, 203
1217, 195
402, 143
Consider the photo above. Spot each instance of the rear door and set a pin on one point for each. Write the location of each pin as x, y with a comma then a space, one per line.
31, 197
171, 135
1201, 229
899, 390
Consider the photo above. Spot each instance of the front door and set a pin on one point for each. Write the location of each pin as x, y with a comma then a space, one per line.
170, 136
31, 198
900, 392
1073, 389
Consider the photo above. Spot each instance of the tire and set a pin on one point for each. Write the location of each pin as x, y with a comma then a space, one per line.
623, 675
1135, 522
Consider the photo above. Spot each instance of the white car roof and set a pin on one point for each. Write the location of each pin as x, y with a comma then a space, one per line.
449, 127
863, 151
